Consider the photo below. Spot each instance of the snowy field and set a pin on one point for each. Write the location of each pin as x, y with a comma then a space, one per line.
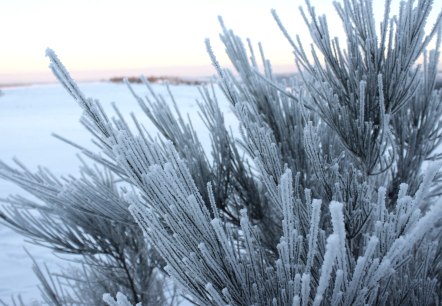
28, 117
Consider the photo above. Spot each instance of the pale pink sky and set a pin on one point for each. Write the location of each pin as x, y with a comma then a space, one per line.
97, 39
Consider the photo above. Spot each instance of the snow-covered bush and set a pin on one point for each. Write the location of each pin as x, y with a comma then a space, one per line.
88, 217
330, 197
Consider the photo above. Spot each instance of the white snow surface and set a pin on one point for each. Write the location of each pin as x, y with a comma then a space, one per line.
28, 117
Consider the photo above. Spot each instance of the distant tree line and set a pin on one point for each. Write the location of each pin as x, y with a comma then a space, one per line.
159, 80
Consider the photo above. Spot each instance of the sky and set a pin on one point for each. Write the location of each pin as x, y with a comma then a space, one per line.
97, 39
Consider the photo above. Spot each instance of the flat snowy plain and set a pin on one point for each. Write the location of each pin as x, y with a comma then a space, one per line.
28, 117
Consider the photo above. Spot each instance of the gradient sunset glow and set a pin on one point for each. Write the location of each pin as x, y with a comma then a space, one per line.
98, 39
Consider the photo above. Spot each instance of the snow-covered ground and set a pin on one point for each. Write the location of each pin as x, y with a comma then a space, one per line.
28, 117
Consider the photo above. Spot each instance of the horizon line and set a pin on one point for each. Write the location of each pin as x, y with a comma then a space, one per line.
99, 75
90, 75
